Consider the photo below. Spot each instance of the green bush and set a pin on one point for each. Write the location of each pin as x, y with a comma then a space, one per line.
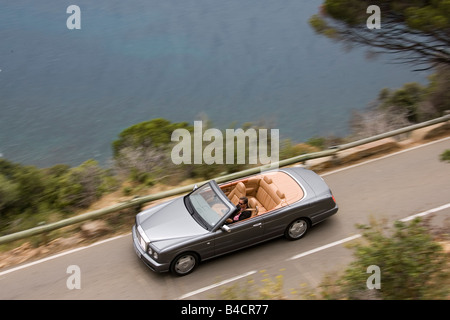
142, 151
9, 193
412, 265
268, 288
445, 156
27, 191
79, 187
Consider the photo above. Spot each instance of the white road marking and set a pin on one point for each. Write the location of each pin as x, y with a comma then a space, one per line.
383, 157
335, 243
60, 255
193, 293
424, 213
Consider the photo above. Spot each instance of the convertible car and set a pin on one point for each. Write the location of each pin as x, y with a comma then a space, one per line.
178, 234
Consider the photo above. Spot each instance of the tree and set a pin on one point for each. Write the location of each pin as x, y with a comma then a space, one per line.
437, 92
412, 103
147, 134
405, 99
142, 151
9, 194
418, 30
31, 187
80, 186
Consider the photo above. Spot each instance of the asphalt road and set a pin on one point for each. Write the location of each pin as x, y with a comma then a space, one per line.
392, 188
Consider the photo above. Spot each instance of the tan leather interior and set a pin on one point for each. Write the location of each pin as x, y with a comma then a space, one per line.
253, 205
266, 192
238, 192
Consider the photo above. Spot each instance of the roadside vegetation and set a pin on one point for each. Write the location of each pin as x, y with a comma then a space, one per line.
141, 158
29, 195
410, 256
445, 156
413, 103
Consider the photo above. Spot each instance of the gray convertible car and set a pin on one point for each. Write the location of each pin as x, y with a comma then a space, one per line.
178, 234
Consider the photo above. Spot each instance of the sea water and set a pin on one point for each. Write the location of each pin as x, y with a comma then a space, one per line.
66, 94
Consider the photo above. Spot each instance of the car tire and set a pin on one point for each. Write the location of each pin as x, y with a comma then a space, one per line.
184, 264
297, 229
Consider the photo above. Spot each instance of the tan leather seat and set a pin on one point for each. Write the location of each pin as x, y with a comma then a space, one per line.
238, 192
268, 196
264, 193
253, 206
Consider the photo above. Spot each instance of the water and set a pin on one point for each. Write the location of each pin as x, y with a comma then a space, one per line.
65, 95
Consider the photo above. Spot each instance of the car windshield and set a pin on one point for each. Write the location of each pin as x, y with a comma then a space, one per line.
208, 204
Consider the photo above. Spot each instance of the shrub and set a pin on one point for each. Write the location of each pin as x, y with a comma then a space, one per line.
81, 186
445, 156
412, 265
268, 288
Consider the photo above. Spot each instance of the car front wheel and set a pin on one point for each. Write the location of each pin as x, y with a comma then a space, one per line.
297, 229
184, 264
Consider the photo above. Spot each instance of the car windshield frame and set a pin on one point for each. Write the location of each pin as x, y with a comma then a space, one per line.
210, 205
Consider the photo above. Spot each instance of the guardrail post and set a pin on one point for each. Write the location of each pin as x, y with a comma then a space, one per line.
334, 157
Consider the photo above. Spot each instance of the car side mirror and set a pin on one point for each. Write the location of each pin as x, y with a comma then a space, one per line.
195, 187
226, 228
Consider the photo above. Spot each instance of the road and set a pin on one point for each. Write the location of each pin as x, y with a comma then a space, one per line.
392, 187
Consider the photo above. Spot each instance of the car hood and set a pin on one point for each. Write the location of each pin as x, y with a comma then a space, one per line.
170, 221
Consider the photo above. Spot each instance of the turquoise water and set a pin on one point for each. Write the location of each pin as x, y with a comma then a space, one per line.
65, 95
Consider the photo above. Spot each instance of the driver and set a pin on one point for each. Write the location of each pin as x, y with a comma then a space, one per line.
242, 212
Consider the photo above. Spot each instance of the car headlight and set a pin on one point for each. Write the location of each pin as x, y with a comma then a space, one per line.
151, 252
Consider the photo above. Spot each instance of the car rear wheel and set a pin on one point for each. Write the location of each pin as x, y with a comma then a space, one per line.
297, 229
184, 264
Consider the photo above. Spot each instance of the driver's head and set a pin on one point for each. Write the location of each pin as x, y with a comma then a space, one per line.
243, 202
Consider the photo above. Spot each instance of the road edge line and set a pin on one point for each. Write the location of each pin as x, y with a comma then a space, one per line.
382, 157
60, 254
218, 284
332, 244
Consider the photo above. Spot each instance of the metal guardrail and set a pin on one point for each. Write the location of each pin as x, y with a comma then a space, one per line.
142, 200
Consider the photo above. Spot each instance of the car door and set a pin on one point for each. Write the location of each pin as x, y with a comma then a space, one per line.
242, 234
